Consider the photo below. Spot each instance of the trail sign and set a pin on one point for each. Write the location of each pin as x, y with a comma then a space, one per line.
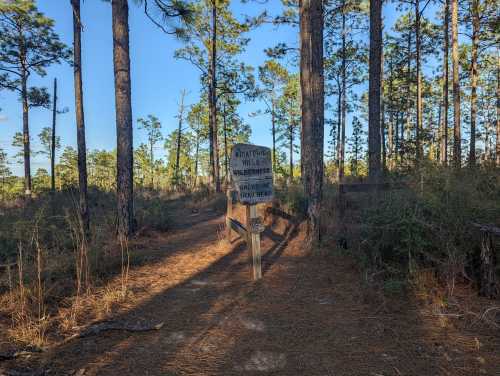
252, 173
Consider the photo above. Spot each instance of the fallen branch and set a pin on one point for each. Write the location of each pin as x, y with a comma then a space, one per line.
14, 354
98, 328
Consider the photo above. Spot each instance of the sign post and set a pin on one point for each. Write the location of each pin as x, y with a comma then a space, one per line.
252, 176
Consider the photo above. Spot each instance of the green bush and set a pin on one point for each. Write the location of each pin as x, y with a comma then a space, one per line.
292, 198
429, 222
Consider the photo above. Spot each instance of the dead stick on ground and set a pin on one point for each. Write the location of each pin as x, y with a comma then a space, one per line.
111, 325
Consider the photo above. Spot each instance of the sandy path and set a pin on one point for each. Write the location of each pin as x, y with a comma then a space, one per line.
308, 316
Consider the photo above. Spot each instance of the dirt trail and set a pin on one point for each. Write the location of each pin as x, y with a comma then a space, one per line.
308, 316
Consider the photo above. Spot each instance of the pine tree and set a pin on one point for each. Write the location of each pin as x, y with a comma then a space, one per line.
152, 126
312, 93
124, 143
29, 46
80, 114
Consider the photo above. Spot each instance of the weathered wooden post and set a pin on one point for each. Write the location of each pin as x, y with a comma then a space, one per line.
248, 222
255, 227
252, 175
229, 213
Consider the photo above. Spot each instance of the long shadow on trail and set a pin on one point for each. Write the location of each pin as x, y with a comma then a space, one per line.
187, 310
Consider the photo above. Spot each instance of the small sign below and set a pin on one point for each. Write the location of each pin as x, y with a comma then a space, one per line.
252, 173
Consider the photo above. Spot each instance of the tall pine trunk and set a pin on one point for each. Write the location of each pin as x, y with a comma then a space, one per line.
226, 157
179, 138
418, 133
26, 134
80, 120
498, 111
344, 93
312, 91
406, 125
124, 146
53, 141
457, 138
382, 114
473, 79
340, 163
212, 103
151, 164
444, 126
375, 65
196, 158
390, 129
273, 125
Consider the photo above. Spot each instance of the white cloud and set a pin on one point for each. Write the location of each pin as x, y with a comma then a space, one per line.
3, 119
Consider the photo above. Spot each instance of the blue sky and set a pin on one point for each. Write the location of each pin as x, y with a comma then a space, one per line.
157, 78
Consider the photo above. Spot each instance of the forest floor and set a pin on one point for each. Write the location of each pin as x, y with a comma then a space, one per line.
309, 315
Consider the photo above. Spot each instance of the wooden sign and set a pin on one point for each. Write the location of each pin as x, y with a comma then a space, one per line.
252, 173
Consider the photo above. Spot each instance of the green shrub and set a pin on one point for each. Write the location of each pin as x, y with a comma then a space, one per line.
429, 222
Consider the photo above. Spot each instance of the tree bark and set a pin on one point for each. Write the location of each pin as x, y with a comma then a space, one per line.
374, 89
407, 125
226, 159
290, 148
80, 119
340, 163
212, 103
273, 124
344, 93
382, 114
390, 129
312, 91
473, 78
444, 128
53, 141
26, 134
124, 149
457, 139
196, 157
179, 137
498, 111
418, 133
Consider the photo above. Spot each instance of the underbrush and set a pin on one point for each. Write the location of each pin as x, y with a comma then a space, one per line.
51, 273
415, 223
428, 223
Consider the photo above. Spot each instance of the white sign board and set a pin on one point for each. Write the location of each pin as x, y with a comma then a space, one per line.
252, 173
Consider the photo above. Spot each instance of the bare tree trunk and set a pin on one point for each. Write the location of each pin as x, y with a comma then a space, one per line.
382, 113
26, 134
418, 134
179, 137
444, 129
402, 140
80, 120
53, 140
374, 89
290, 147
473, 78
312, 90
151, 164
408, 95
498, 111
226, 159
457, 139
396, 139
344, 93
340, 162
124, 146
273, 123
196, 158
212, 103
390, 133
